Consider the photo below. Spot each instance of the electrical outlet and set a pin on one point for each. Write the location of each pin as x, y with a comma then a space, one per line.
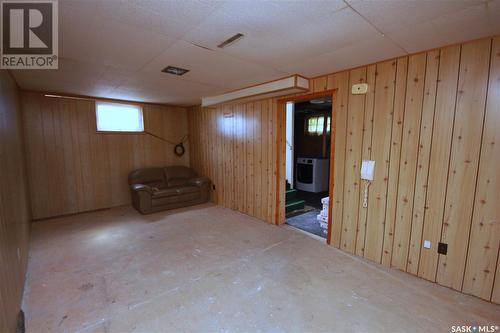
442, 248
427, 244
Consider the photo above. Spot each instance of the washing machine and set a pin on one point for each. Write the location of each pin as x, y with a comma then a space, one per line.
311, 174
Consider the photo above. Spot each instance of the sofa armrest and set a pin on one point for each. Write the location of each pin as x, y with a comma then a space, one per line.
199, 181
141, 187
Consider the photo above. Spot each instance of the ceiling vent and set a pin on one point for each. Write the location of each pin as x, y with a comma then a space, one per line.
175, 70
231, 40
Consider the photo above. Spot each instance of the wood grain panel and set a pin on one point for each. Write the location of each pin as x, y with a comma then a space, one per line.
319, 84
397, 133
88, 170
423, 160
366, 155
485, 230
354, 142
408, 125
440, 159
339, 81
270, 161
381, 148
495, 294
14, 207
464, 160
257, 142
234, 143
408, 164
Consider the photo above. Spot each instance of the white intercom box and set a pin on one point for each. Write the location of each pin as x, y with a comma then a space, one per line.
367, 170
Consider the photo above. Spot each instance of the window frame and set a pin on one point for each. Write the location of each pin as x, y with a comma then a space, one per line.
120, 103
306, 125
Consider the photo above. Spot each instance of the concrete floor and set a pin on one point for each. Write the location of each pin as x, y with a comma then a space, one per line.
211, 269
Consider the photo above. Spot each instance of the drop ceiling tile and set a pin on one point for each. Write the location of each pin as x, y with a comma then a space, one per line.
413, 39
364, 52
338, 29
116, 44
210, 67
469, 23
260, 17
171, 18
76, 20
112, 76
466, 24
390, 15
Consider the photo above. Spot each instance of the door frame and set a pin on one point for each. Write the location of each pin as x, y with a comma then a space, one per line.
280, 144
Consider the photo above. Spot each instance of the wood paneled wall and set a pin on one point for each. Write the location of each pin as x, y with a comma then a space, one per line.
73, 168
14, 208
234, 146
430, 121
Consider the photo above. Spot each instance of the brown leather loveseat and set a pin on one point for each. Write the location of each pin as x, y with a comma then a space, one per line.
157, 189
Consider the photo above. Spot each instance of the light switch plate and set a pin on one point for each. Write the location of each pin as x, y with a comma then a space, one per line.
427, 244
360, 88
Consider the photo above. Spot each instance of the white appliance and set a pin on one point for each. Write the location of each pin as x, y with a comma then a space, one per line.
311, 174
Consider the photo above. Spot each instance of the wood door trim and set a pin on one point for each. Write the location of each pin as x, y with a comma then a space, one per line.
279, 113
333, 134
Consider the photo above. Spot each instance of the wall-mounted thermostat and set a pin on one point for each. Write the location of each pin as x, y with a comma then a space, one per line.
360, 88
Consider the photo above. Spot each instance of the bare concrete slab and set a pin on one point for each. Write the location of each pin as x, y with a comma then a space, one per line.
210, 269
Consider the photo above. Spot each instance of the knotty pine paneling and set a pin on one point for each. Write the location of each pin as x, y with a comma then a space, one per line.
396, 136
234, 146
353, 163
485, 229
381, 148
464, 161
14, 207
408, 160
423, 160
365, 154
339, 81
72, 168
440, 158
430, 121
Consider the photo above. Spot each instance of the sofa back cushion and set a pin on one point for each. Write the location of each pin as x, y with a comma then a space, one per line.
154, 177
178, 175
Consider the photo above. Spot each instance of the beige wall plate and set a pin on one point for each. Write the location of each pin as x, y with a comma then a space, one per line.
360, 88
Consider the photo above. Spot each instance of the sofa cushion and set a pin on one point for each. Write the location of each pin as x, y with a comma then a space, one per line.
173, 191
176, 182
174, 199
165, 192
178, 175
153, 177
187, 189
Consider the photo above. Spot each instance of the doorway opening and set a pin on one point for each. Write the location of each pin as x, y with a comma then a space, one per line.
308, 149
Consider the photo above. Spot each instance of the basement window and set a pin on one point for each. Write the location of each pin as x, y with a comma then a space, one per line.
116, 117
315, 125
